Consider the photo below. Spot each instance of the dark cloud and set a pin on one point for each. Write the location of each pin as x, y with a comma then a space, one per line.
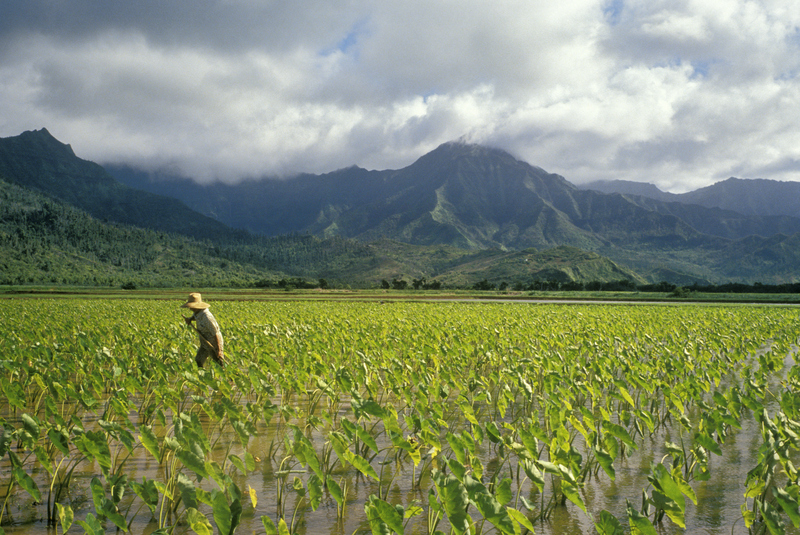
674, 93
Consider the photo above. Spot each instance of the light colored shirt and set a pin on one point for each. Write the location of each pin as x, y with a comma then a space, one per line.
209, 329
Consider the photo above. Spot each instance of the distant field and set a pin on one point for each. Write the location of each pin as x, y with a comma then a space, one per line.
294, 294
380, 416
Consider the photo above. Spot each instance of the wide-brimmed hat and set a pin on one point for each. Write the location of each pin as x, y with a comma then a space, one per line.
195, 302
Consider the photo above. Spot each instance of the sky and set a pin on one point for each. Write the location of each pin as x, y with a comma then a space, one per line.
678, 93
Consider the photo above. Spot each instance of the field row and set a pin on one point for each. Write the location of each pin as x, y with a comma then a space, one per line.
400, 417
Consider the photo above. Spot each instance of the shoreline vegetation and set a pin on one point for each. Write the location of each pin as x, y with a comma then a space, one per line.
681, 295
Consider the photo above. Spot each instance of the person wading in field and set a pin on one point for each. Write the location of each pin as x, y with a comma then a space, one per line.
211, 344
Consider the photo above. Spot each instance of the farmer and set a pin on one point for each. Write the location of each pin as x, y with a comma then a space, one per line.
211, 344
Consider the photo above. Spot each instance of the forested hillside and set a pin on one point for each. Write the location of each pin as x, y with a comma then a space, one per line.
47, 242
43, 241
37, 161
461, 215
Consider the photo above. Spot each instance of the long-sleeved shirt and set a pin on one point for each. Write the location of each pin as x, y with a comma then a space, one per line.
209, 330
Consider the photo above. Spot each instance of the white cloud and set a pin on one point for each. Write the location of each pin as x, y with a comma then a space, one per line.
676, 93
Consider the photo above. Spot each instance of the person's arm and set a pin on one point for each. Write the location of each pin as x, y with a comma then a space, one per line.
220, 352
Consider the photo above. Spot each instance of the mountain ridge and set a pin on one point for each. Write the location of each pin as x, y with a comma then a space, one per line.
38, 161
458, 195
47, 235
753, 196
479, 197
449, 204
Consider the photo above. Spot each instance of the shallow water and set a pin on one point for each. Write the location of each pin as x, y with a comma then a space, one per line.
717, 511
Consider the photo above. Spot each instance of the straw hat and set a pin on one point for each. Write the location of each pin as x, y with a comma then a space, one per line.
195, 302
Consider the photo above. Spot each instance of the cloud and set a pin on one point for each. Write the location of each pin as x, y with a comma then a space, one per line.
676, 93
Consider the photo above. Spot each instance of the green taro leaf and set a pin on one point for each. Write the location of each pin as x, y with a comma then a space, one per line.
269, 525
98, 494
149, 440
27, 483
65, 516
91, 525
669, 506
226, 517
493, 432
789, 505
640, 524
503, 492
14, 394
249, 461
488, 505
198, 522
533, 473
193, 462
336, 491
361, 464
58, 437
572, 492
520, 519
457, 446
110, 511
772, 519
457, 468
95, 446
30, 425
148, 492
619, 432
606, 462
6, 437
361, 433
380, 511
238, 463
314, 485
187, 490
373, 409
708, 443
454, 499
608, 524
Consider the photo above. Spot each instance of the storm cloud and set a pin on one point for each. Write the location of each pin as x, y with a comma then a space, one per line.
677, 93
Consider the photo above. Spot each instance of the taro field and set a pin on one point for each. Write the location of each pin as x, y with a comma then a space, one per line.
420, 418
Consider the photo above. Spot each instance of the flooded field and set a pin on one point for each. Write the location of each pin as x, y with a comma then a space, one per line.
343, 418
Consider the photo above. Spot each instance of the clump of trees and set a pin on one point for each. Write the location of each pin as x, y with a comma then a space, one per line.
626, 285
292, 283
417, 284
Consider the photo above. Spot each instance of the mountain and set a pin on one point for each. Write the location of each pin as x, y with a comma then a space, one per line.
457, 205
45, 241
38, 161
629, 187
64, 220
751, 197
476, 197
462, 195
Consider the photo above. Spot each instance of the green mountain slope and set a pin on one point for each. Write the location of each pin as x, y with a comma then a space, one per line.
458, 197
44, 241
38, 161
462, 195
756, 196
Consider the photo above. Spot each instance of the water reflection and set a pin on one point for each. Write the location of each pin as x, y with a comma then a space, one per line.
717, 511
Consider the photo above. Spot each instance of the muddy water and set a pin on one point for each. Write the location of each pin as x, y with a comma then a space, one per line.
716, 513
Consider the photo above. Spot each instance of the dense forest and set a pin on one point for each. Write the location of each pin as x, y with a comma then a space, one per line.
46, 242
43, 241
